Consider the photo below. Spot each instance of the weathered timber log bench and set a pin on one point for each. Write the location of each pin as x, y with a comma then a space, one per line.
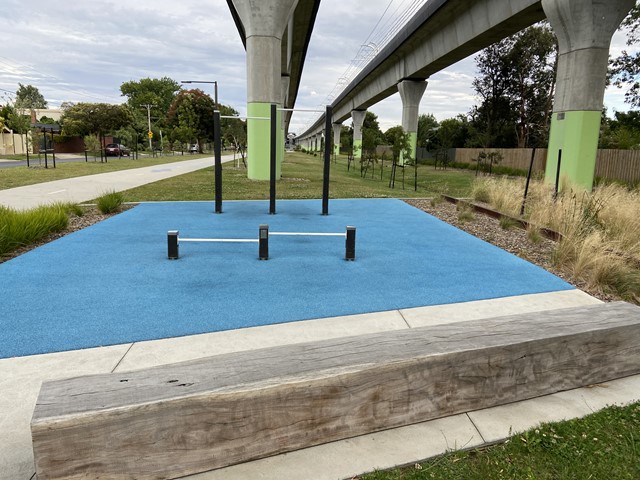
179, 419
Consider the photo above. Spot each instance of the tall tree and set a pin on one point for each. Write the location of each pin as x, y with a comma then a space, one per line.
625, 69
427, 127
192, 111
371, 134
150, 91
95, 118
515, 84
29, 97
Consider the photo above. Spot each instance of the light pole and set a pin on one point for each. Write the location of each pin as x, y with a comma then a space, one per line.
215, 88
149, 134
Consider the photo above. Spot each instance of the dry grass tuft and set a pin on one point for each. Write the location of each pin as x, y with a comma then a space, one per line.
601, 229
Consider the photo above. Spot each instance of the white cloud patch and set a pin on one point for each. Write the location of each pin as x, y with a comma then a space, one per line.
84, 51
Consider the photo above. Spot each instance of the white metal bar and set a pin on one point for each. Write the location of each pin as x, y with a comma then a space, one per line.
299, 110
245, 118
310, 234
219, 240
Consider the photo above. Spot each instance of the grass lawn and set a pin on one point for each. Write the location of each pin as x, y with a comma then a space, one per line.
603, 445
302, 178
19, 176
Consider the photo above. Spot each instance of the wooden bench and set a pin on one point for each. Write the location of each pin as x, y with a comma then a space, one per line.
184, 418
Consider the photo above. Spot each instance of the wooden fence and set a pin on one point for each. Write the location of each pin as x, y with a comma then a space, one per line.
621, 165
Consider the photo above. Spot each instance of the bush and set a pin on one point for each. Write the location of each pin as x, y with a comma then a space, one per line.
110, 202
21, 228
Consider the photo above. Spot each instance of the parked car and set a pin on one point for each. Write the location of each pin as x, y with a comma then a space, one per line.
194, 149
116, 150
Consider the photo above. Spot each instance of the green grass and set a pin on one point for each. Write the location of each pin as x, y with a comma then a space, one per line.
21, 228
604, 445
19, 176
302, 178
110, 202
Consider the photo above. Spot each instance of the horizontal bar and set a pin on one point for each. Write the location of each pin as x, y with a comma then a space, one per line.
245, 118
309, 234
219, 240
299, 110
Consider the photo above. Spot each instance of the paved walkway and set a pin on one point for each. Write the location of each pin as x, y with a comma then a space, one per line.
83, 189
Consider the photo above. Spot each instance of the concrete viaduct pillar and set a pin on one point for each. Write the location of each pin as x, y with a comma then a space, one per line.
411, 92
584, 29
357, 116
337, 128
264, 24
284, 82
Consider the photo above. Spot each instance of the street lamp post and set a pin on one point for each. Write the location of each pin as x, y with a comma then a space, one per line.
215, 87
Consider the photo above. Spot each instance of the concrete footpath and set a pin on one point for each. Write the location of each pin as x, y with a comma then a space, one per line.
84, 189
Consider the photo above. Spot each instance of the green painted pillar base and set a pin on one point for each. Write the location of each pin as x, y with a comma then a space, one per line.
413, 143
336, 149
357, 150
576, 134
258, 138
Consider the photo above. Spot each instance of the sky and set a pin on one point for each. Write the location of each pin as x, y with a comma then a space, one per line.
82, 51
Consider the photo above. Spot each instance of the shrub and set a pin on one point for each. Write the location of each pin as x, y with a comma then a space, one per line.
21, 228
110, 202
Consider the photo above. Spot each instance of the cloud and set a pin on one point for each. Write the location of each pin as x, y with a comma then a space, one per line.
84, 51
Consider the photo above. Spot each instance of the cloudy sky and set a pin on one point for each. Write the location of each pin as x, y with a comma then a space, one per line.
83, 51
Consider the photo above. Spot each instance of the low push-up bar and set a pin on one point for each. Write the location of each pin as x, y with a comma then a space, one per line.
174, 240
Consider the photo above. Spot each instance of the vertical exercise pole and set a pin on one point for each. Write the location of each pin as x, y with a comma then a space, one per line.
555, 193
217, 151
172, 241
263, 242
526, 187
327, 160
272, 176
350, 244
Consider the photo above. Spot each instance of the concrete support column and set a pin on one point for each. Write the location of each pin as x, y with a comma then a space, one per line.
283, 116
264, 24
584, 29
337, 128
411, 92
357, 116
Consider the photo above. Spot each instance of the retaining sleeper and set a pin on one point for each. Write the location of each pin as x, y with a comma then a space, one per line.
184, 418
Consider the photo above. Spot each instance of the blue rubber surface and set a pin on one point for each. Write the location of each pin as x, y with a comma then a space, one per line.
112, 283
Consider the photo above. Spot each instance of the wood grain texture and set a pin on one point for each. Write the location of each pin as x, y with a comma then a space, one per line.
190, 417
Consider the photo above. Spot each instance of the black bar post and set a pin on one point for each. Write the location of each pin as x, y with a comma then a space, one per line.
172, 243
46, 158
53, 149
263, 242
350, 244
217, 151
526, 186
327, 160
272, 163
555, 194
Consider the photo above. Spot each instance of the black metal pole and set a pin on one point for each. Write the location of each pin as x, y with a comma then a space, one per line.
526, 187
263, 242
555, 193
53, 149
327, 161
350, 244
46, 158
217, 151
272, 163
26, 143
172, 245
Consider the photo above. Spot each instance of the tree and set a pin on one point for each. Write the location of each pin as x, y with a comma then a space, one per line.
625, 69
400, 144
371, 134
427, 127
515, 86
192, 112
95, 118
159, 92
29, 97
454, 132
